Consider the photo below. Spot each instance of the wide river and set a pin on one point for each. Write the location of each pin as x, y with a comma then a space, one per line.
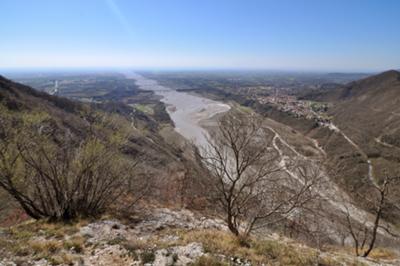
186, 110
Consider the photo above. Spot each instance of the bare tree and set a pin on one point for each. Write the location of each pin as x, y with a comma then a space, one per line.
365, 234
251, 188
61, 180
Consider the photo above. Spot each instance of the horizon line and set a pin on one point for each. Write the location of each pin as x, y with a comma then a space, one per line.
158, 68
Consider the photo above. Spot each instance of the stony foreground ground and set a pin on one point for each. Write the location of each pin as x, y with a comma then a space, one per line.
159, 237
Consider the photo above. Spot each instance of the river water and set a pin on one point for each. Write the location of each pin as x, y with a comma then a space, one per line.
186, 110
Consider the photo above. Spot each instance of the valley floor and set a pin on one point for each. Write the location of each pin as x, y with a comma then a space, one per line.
195, 117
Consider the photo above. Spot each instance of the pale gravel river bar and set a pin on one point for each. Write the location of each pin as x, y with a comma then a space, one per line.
186, 110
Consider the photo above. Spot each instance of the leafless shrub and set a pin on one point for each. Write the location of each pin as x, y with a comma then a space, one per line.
61, 180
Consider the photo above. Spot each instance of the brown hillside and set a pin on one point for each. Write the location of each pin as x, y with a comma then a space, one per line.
369, 113
60, 118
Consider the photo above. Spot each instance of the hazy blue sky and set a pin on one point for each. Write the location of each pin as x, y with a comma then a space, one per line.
294, 34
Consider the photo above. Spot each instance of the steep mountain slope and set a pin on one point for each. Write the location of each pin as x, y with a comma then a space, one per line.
60, 118
64, 115
363, 140
368, 111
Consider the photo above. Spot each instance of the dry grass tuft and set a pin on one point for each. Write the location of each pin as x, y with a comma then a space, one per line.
258, 252
286, 254
208, 261
377, 253
75, 243
43, 228
383, 254
45, 248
